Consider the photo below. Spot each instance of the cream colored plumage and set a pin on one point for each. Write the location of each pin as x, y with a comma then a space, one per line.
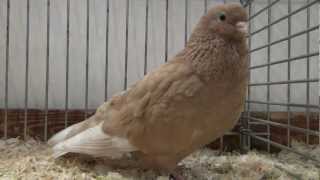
184, 104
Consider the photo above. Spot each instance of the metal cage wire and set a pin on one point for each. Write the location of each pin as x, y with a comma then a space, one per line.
247, 133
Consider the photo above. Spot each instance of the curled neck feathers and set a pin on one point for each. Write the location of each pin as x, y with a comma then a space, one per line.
216, 58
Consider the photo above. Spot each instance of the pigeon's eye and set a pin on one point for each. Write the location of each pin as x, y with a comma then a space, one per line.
222, 16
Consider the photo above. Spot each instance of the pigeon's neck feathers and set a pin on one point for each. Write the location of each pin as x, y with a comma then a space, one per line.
214, 57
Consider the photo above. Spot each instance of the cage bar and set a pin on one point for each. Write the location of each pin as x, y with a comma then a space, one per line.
312, 132
284, 104
87, 59
107, 52
146, 39
25, 124
186, 21
308, 73
285, 82
126, 47
166, 32
205, 6
47, 73
289, 76
286, 60
246, 140
66, 108
5, 132
268, 74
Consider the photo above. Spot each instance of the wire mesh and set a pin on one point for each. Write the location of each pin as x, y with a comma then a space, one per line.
250, 132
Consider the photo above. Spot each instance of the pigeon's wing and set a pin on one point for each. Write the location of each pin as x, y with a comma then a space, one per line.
108, 132
73, 130
88, 137
102, 114
149, 116
156, 86
95, 142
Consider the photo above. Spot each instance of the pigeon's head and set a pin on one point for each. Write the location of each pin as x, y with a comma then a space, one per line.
226, 20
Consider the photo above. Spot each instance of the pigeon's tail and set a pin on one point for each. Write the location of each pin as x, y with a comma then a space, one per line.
57, 154
95, 142
72, 131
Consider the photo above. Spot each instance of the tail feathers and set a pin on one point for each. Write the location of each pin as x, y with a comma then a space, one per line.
94, 142
57, 154
70, 131
60, 136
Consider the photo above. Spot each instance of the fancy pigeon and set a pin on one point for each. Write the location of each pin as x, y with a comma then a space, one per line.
181, 106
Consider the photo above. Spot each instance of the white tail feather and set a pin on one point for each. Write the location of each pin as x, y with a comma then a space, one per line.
69, 132
60, 136
94, 142
57, 154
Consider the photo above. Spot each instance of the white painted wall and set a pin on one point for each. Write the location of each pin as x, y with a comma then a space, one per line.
136, 49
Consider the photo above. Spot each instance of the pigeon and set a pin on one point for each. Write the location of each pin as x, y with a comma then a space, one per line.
183, 105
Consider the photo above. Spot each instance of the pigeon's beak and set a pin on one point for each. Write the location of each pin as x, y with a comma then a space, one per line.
242, 26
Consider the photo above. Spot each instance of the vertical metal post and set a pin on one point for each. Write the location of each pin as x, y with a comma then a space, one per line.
248, 143
319, 77
186, 22
107, 54
146, 39
308, 75
67, 67
205, 6
245, 140
25, 124
126, 48
268, 74
166, 33
7, 72
289, 76
47, 73
87, 59
249, 88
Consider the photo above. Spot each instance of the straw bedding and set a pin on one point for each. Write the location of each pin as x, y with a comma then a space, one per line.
31, 160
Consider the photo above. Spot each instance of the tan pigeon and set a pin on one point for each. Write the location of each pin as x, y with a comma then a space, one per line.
179, 107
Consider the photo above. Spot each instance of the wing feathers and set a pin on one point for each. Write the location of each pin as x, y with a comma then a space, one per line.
94, 142
72, 131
